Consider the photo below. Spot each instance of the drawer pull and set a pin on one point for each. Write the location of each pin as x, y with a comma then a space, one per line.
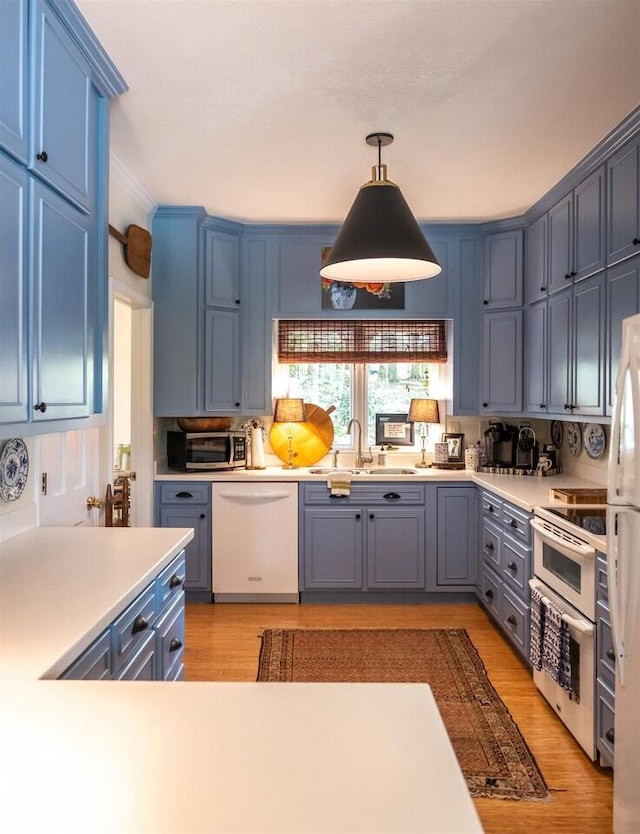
512, 566
176, 581
490, 508
338, 496
611, 654
357, 516
184, 494
175, 644
489, 594
513, 522
140, 623
511, 619
42, 157
371, 516
488, 546
391, 496
610, 735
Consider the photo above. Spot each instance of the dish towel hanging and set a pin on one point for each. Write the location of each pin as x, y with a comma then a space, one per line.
556, 657
339, 482
536, 641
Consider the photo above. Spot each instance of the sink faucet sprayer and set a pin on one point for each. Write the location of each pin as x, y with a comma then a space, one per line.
360, 458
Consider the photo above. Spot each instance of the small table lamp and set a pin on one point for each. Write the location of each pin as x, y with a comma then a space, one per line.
289, 410
423, 411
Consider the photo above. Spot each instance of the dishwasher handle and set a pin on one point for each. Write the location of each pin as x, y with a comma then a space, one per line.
250, 497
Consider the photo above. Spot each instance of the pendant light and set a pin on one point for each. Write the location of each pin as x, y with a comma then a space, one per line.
380, 240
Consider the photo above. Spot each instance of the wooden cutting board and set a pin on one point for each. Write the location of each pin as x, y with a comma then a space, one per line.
311, 440
579, 496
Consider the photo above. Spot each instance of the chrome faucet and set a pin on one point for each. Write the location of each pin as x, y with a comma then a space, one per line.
360, 458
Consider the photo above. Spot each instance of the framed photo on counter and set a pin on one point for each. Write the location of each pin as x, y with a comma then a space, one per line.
393, 430
455, 442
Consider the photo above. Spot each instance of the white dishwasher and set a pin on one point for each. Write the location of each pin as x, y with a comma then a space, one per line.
255, 542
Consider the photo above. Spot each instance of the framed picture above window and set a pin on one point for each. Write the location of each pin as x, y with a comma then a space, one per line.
394, 429
455, 442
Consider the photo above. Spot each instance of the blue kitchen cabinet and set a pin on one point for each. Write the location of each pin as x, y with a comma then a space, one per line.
220, 361
221, 264
62, 136
257, 330
502, 362
456, 538
536, 274
332, 548
13, 78
396, 547
535, 359
559, 353
503, 265
94, 664
623, 203
435, 297
188, 504
467, 328
623, 300
13, 293
577, 233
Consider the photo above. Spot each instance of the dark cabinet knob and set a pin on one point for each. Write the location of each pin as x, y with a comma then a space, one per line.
237, 301
488, 546
391, 496
636, 241
512, 566
543, 289
610, 735
489, 594
512, 620
567, 276
184, 494
175, 644
573, 274
485, 405
611, 654
139, 624
203, 515
176, 581
543, 405
485, 302
237, 405
40, 407
513, 522
567, 407
490, 508
371, 516
357, 516
42, 157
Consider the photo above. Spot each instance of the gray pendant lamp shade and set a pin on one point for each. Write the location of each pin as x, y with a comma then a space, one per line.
380, 240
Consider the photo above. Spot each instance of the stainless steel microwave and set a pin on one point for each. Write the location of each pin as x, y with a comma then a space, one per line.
206, 451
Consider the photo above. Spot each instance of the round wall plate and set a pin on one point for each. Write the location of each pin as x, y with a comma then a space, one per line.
14, 469
556, 433
594, 440
574, 438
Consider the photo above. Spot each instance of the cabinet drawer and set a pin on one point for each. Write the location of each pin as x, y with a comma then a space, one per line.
171, 581
490, 544
388, 494
515, 620
184, 493
141, 665
516, 521
491, 591
516, 565
605, 721
491, 506
94, 664
129, 631
170, 639
606, 653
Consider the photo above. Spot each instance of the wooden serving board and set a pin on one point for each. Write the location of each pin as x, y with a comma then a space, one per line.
579, 496
311, 440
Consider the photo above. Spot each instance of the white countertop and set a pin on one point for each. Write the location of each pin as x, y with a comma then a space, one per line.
184, 758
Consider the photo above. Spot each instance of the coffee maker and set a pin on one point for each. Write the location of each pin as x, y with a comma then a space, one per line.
500, 441
527, 449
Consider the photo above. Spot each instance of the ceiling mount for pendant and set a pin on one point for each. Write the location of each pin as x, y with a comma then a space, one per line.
380, 240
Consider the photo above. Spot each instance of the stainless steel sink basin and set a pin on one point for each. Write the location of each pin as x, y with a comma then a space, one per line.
380, 470
340, 468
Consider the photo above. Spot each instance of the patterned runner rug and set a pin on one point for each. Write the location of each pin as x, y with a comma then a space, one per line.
492, 753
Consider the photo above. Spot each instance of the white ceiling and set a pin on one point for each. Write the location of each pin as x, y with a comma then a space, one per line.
258, 109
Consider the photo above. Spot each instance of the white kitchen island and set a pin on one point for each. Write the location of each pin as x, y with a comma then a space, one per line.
181, 758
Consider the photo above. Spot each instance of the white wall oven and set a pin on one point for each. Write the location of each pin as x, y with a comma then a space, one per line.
565, 544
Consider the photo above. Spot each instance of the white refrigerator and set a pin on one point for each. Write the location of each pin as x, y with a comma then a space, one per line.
623, 556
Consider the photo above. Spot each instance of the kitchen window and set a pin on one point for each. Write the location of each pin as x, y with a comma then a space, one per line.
333, 368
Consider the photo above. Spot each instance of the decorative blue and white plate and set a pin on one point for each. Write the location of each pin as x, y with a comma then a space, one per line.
574, 439
594, 440
14, 469
556, 433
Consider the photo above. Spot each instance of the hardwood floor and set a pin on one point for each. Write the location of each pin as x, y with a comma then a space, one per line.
223, 644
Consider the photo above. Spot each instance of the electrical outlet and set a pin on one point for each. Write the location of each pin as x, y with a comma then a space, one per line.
44, 483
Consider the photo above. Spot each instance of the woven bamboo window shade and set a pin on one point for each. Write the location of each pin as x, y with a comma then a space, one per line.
361, 341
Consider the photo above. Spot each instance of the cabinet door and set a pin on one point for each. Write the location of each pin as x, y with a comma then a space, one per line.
61, 136
623, 299
257, 323
13, 78
456, 536
502, 359
536, 275
588, 347
395, 548
13, 292
221, 361
333, 548
589, 226
560, 244
535, 358
198, 551
623, 204
559, 322
60, 305
169, 630
221, 269
503, 270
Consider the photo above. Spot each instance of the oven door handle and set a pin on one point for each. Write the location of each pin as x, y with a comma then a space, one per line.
579, 548
583, 626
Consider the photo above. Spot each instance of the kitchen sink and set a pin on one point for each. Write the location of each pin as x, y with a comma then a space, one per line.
380, 470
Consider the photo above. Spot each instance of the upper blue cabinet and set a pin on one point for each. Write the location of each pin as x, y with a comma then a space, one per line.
13, 78
503, 270
623, 227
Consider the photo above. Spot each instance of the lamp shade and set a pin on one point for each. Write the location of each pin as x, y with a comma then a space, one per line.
424, 411
289, 410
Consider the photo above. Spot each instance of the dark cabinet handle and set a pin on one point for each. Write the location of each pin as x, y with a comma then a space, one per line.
567, 406
543, 405
485, 301
511, 619
338, 496
371, 516
513, 522
610, 735
573, 274
184, 495
611, 654
42, 156
391, 496
237, 301
357, 516
567, 276
488, 546
203, 515
489, 594
636, 241
490, 508
176, 581
40, 407
543, 289
140, 623
485, 405
175, 644
512, 566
